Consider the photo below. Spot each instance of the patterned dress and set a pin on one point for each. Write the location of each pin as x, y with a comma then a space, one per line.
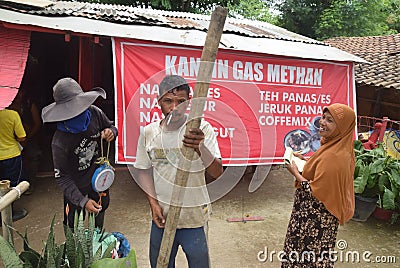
311, 233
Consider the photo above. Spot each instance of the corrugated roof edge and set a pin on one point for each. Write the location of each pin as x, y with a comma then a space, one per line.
196, 37
30, 3
85, 9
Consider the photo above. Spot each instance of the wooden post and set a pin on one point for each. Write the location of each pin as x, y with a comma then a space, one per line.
383, 129
6, 212
208, 57
7, 197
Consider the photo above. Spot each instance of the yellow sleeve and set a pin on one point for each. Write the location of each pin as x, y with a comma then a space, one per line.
18, 127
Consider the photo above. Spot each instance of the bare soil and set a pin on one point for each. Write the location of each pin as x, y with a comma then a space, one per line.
232, 244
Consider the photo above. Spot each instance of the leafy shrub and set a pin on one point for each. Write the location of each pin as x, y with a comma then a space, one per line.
377, 174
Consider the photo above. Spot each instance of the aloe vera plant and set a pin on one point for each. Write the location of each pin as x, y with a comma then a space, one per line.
75, 252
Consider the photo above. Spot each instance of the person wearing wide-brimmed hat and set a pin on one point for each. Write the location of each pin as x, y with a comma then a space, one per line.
75, 146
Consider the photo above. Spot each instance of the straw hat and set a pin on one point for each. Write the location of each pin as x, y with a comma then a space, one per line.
70, 100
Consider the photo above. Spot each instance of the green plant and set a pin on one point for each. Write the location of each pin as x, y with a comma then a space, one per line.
51, 255
377, 174
75, 252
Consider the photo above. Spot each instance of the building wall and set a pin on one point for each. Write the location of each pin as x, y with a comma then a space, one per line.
369, 103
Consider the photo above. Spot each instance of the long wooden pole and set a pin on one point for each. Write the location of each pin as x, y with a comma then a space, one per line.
208, 57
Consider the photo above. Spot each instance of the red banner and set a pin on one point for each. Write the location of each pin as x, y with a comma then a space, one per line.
14, 47
258, 104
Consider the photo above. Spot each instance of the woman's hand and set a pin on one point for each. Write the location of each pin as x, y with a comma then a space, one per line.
294, 170
299, 155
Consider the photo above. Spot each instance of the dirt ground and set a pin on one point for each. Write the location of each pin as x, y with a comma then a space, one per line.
239, 244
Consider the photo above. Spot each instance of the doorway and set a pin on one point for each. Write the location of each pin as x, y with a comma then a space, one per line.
54, 56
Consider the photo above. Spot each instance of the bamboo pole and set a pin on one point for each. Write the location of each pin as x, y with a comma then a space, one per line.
7, 197
208, 57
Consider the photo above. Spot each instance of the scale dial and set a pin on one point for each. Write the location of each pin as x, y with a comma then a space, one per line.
103, 180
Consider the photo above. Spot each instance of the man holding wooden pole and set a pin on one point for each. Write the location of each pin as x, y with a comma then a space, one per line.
181, 169
159, 149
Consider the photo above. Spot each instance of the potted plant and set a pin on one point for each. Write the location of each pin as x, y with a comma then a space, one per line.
389, 191
366, 180
376, 181
76, 251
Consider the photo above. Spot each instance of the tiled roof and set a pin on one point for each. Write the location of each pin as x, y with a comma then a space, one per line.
383, 52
